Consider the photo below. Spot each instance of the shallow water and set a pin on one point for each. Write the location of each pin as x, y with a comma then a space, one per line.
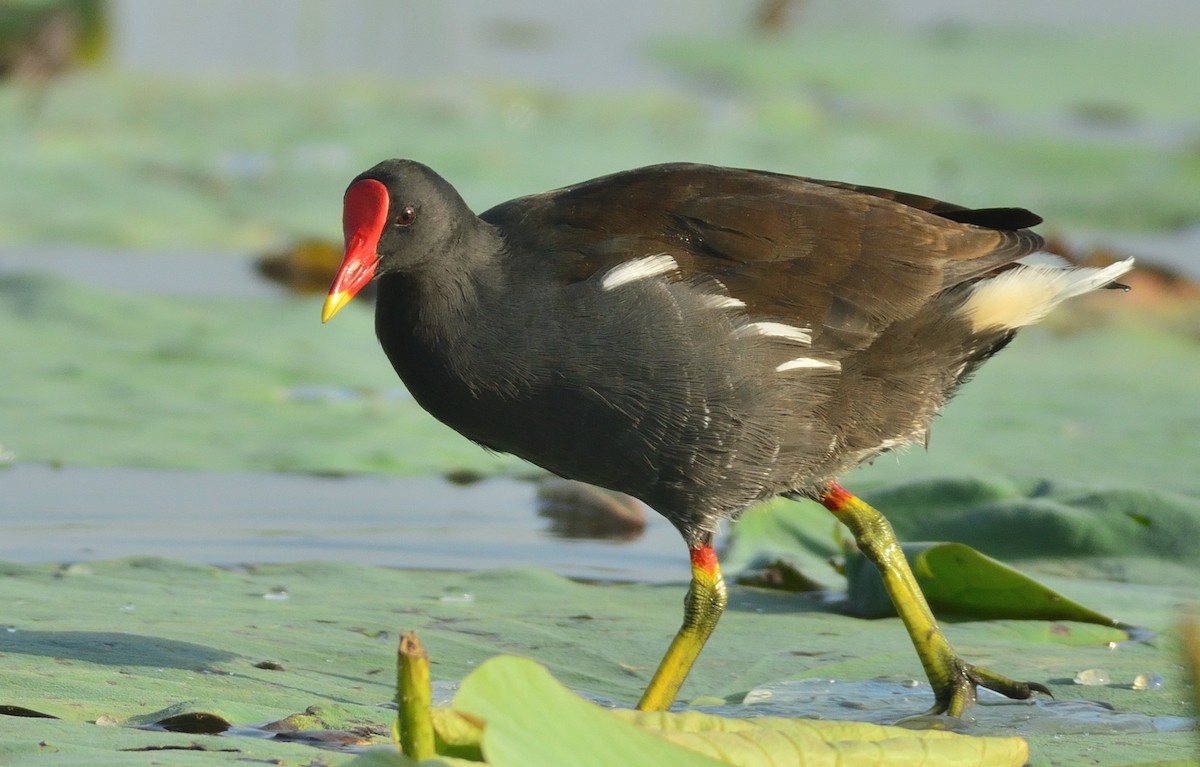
177, 273
79, 514
883, 701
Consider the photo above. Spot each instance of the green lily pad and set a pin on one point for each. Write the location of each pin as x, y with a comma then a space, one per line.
141, 638
1034, 520
960, 582
1110, 76
530, 719
55, 743
160, 382
274, 158
773, 741
1126, 534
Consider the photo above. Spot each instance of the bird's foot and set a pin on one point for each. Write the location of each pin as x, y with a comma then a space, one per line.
956, 696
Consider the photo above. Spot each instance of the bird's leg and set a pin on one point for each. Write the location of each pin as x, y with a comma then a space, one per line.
954, 681
702, 608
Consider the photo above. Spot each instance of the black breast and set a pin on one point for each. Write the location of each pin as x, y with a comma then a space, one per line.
651, 388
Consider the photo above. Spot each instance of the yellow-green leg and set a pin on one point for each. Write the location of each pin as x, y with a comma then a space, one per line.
702, 609
954, 680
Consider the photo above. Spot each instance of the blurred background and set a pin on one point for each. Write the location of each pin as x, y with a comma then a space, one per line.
172, 175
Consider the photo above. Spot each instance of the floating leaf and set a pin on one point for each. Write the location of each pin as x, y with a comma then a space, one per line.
1041, 519
771, 747
530, 719
959, 581
457, 734
1122, 534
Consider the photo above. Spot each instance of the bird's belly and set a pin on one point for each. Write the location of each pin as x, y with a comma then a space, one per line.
622, 438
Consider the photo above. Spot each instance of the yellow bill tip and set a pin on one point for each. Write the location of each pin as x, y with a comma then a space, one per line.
334, 303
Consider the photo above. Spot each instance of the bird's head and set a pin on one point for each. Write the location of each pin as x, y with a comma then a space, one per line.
395, 216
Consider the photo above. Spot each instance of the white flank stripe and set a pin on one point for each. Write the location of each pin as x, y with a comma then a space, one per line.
1026, 294
714, 301
777, 329
808, 362
637, 269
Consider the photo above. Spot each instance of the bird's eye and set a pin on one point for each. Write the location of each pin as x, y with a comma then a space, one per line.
406, 216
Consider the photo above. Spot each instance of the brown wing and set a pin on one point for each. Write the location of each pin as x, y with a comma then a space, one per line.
838, 258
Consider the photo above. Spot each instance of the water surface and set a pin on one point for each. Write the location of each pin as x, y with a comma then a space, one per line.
77, 514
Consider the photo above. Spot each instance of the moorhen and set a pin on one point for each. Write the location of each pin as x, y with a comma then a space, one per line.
703, 338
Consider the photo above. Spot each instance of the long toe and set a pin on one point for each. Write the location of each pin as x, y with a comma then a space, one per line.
1005, 686
956, 698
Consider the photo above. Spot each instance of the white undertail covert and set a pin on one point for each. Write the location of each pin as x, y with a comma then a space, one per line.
1025, 294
